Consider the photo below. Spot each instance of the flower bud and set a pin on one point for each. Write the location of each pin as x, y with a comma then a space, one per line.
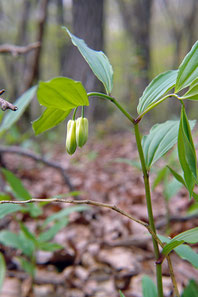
81, 131
71, 137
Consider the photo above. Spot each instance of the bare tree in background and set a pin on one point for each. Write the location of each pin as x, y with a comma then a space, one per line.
88, 23
33, 71
181, 15
136, 16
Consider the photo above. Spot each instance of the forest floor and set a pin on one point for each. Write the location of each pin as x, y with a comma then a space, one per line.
104, 252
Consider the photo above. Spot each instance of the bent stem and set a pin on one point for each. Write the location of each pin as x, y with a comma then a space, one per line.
149, 210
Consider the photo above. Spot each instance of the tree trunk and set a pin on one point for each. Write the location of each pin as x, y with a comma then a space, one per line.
88, 23
136, 16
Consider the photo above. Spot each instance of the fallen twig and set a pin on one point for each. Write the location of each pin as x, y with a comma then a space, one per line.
35, 157
88, 202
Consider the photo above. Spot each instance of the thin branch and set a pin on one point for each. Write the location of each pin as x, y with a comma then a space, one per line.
16, 50
172, 275
5, 104
23, 152
88, 202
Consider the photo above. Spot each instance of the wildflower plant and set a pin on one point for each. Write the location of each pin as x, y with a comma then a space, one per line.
62, 95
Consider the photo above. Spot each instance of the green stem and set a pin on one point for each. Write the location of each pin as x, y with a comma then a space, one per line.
113, 100
149, 209
74, 114
83, 112
155, 104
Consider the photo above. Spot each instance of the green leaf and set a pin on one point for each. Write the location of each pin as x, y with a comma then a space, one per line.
159, 177
189, 236
2, 270
187, 253
22, 102
27, 266
191, 290
97, 61
192, 93
177, 176
51, 232
20, 192
49, 246
184, 251
186, 152
64, 213
188, 70
29, 235
121, 294
27, 246
50, 118
158, 87
171, 188
16, 185
148, 287
129, 162
62, 93
10, 239
6, 209
161, 138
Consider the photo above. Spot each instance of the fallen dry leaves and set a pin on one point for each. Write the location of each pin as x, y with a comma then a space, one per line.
103, 251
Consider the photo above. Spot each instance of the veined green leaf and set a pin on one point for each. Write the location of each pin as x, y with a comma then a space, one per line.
189, 236
159, 141
51, 232
62, 93
121, 294
186, 152
6, 209
49, 246
22, 102
20, 192
2, 269
177, 176
10, 239
192, 93
188, 70
191, 289
148, 287
50, 118
27, 266
158, 87
64, 213
184, 251
97, 61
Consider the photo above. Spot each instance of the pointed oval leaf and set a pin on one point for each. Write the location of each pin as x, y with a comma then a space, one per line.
188, 70
62, 93
158, 87
6, 209
184, 251
97, 61
189, 236
148, 287
50, 118
186, 152
22, 102
191, 289
160, 140
2, 270
192, 93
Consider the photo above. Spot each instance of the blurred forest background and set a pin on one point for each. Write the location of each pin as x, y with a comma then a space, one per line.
102, 252
141, 39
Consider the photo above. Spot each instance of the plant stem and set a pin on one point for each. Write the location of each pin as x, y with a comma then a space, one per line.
155, 104
149, 209
113, 100
172, 275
